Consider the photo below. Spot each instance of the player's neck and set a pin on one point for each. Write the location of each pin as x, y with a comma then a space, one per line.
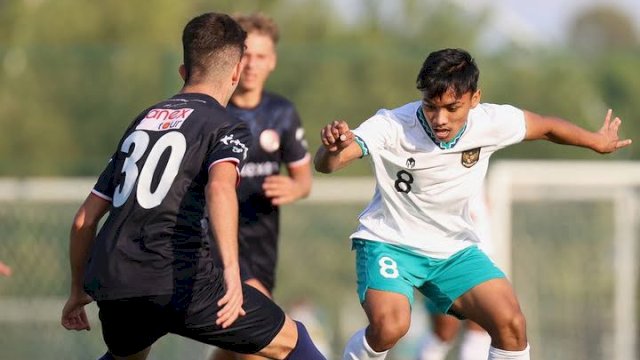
217, 93
246, 99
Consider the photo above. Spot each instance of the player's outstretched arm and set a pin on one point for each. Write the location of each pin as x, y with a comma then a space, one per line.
338, 148
605, 140
83, 232
222, 207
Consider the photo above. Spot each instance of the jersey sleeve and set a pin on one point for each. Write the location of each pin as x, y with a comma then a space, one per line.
230, 144
106, 184
508, 124
375, 133
294, 145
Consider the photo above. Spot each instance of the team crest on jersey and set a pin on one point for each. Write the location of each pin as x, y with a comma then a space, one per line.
411, 162
470, 157
164, 119
269, 140
300, 137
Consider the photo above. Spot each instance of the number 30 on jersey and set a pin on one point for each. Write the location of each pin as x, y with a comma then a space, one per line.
139, 140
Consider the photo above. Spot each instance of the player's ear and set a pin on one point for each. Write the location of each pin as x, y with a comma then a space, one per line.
182, 70
475, 98
237, 70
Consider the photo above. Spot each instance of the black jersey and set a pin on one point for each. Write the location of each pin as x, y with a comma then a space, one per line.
278, 138
152, 241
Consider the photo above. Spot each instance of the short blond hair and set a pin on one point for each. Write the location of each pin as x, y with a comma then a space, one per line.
259, 23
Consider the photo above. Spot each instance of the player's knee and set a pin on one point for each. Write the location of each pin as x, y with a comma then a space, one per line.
446, 327
446, 334
518, 326
511, 331
385, 331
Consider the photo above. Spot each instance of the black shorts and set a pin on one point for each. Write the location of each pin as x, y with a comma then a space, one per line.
133, 324
255, 267
258, 258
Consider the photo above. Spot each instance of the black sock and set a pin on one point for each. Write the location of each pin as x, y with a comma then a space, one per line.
107, 356
305, 348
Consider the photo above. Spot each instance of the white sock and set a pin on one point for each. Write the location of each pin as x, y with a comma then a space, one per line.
433, 348
475, 345
499, 354
358, 349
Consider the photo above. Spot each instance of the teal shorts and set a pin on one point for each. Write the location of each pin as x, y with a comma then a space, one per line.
386, 267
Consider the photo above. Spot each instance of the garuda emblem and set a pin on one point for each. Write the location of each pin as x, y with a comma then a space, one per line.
470, 157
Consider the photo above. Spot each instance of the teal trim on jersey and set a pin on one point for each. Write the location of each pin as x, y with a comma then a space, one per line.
363, 146
427, 128
386, 267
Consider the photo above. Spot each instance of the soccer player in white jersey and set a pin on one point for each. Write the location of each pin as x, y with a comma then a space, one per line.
444, 328
429, 157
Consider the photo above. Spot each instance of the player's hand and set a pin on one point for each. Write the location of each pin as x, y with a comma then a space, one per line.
5, 269
336, 136
281, 189
74, 316
231, 303
610, 140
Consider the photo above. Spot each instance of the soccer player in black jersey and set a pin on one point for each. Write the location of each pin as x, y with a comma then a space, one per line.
278, 139
150, 267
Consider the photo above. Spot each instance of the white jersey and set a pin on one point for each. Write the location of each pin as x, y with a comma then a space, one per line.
480, 215
422, 194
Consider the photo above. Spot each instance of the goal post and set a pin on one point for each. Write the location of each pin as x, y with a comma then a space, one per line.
518, 185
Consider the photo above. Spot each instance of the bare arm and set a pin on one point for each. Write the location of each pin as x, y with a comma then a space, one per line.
338, 148
83, 232
282, 189
560, 131
222, 208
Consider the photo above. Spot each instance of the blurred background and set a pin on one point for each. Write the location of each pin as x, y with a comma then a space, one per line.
74, 73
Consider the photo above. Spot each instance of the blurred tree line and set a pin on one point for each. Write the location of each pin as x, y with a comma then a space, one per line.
74, 73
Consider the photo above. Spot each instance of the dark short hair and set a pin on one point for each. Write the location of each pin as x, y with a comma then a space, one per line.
448, 69
211, 42
259, 23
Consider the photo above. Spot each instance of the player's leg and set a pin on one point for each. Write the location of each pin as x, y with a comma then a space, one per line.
262, 283
106, 356
221, 354
131, 326
385, 290
445, 327
438, 342
294, 342
494, 306
484, 295
142, 355
475, 342
264, 330
258, 256
257, 284
389, 315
